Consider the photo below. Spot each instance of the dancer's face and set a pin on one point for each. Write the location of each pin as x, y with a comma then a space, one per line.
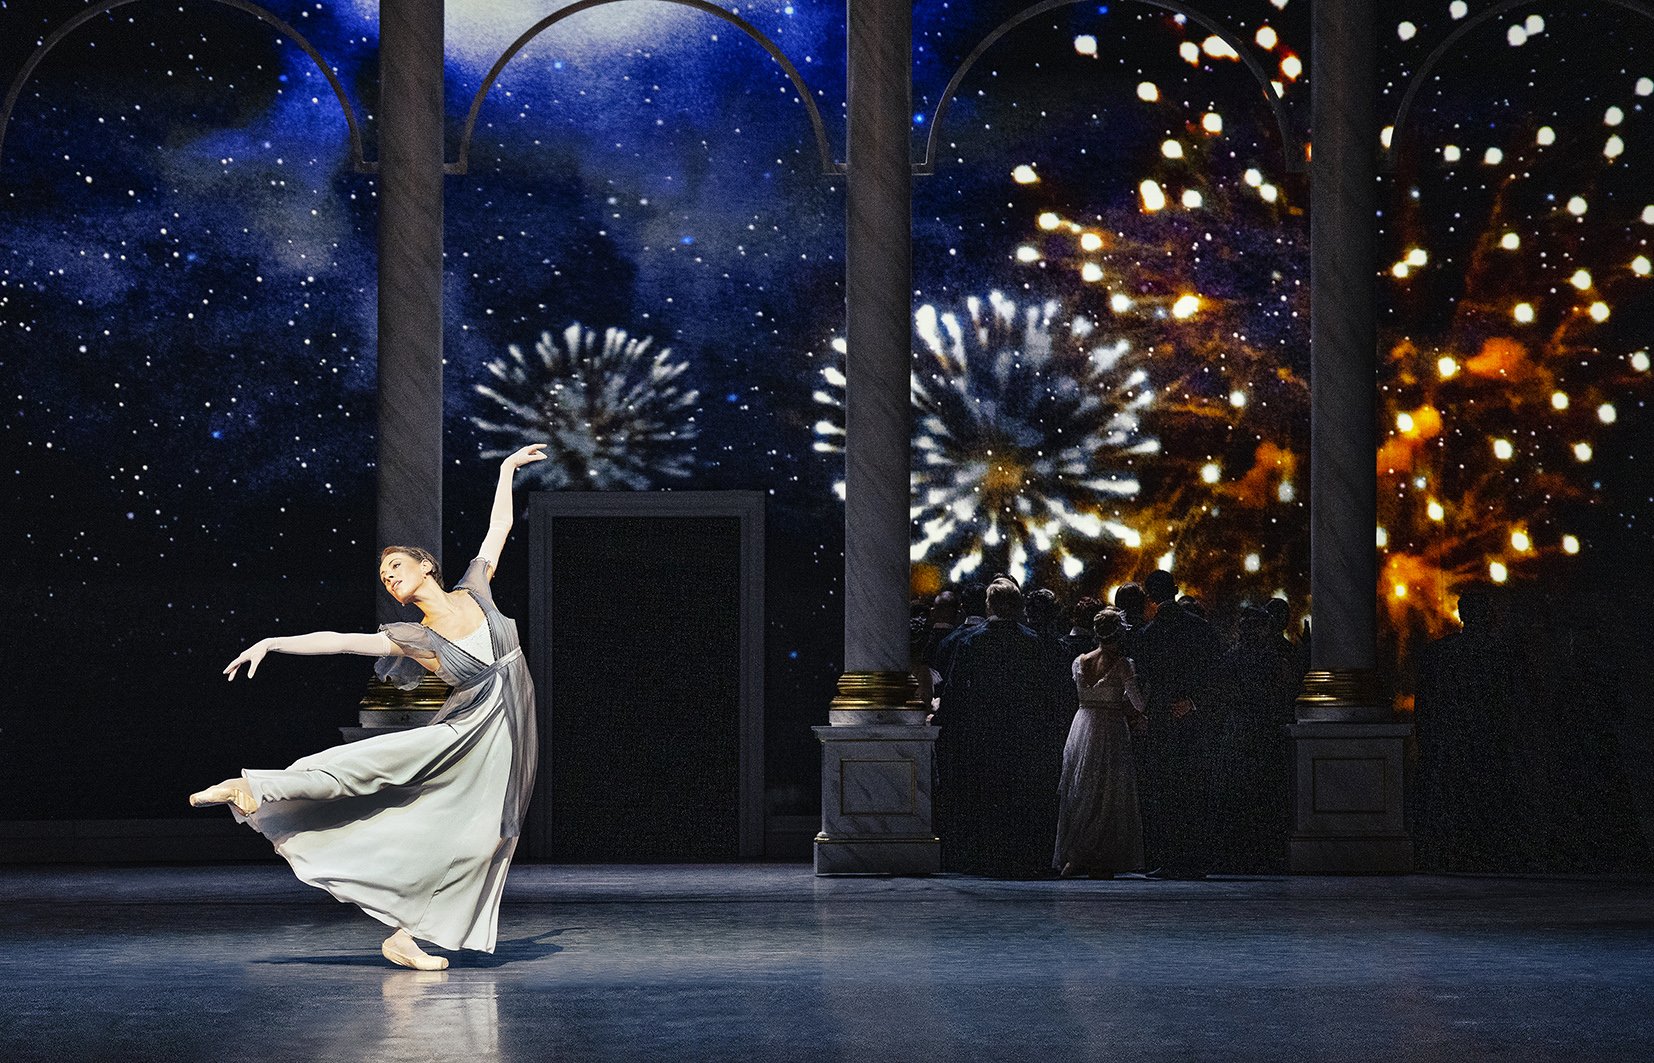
401, 575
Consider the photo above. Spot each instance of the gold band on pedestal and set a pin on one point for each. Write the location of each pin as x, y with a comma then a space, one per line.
877, 691
1342, 693
428, 695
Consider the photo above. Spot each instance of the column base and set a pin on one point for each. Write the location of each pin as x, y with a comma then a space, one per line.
875, 801
878, 856
877, 697
1347, 801
1342, 695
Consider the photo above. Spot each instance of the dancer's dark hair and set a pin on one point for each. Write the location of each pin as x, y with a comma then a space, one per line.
418, 554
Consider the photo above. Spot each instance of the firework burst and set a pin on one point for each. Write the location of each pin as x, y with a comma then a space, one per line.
1028, 433
1221, 323
1494, 414
608, 407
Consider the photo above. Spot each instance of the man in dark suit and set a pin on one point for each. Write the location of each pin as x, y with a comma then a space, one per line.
1251, 784
1175, 654
1466, 701
1130, 599
991, 755
973, 603
939, 624
1079, 638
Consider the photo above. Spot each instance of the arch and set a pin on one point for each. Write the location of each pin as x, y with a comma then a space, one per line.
1291, 143
263, 15
1390, 158
827, 164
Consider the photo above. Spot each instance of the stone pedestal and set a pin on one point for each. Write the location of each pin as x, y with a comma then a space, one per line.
1347, 800
875, 800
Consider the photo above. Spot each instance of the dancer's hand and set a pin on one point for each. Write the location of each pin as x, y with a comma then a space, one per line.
1180, 708
525, 456
249, 657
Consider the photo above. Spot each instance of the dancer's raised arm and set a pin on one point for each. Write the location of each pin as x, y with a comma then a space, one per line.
503, 513
317, 642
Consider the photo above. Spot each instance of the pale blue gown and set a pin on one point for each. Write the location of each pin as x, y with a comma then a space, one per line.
1099, 825
417, 828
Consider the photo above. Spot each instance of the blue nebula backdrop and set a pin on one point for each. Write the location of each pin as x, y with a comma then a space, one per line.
187, 315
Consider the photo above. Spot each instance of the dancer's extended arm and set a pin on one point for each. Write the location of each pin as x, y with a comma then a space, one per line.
317, 642
503, 513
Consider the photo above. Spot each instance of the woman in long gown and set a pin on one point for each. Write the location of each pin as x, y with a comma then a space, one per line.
1099, 826
416, 828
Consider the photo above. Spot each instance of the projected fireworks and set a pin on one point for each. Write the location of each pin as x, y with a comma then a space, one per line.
608, 408
1517, 354
1028, 431
1189, 273
1111, 310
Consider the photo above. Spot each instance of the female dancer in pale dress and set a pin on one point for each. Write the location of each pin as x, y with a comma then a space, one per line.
1099, 826
417, 828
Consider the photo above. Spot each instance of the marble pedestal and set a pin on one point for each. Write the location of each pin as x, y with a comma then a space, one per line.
1347, 799
875, 800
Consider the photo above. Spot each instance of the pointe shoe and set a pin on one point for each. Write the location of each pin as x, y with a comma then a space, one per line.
222, 794
417, 960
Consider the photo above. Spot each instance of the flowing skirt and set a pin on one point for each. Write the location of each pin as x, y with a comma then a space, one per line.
1099, 826
405, 826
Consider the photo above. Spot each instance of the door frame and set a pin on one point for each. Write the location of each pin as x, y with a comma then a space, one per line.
544, 508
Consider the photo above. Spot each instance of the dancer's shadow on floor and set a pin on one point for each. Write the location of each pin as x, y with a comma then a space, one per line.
513, 950
519, 950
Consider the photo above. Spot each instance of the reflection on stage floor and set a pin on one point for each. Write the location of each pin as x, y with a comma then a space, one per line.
770, 962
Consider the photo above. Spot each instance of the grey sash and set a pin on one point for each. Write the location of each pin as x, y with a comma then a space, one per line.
490, 671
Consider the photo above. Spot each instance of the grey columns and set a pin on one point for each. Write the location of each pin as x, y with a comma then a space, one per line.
1343, 334
877, 753
1348, 804
410, 277
878, 332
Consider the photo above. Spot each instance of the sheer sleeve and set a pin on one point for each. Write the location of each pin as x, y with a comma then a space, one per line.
405, 672
475, 580
1133, 695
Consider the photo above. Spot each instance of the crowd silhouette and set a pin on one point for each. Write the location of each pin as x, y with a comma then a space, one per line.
1147, 734
1519, 718
1101, 738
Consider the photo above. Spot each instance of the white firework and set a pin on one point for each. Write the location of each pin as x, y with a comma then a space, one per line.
607, 407
1028, 428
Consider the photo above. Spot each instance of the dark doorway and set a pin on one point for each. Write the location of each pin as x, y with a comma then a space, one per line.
647, 652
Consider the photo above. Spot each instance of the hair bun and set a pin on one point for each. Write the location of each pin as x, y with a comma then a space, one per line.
1109, 624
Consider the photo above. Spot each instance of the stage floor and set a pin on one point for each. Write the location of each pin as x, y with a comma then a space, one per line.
768, 962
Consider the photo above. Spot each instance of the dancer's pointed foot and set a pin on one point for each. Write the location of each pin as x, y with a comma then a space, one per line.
229, 792
401, 949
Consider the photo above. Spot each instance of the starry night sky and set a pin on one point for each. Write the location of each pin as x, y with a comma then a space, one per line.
187, 305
